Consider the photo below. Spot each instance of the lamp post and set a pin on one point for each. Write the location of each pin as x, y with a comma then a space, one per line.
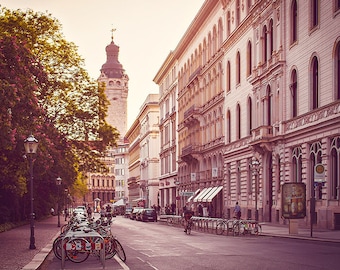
58, 183
255, 166
65, 203
31, 146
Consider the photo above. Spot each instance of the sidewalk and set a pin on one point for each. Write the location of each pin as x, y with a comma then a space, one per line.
15, 252
16, 241
269, 229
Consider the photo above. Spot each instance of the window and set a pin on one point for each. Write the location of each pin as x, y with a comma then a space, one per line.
293, 89
238, 121
249, 59
238, 68
238, 13
335, 169
297, 164
271, 44
269, 106
228, 77
250, 116
337, 71
264, 44
336, 5
228, 23
228, 127
315, 83
238, 177
314, 13
315, 158
294, 22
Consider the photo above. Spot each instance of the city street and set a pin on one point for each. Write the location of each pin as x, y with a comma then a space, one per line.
158, 246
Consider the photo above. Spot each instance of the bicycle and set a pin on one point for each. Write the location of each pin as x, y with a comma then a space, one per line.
188, 226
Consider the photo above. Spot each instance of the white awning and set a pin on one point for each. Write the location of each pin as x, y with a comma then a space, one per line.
204, 199
202, 194
139, 199
191, 197
120, 202
213, 194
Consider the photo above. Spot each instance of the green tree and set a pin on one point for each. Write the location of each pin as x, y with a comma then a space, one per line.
44, 89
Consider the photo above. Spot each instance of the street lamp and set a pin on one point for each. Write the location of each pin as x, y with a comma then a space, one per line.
58, 183
31, 146
65, 203
256, 166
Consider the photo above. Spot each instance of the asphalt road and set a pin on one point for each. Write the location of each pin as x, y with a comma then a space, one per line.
158, 246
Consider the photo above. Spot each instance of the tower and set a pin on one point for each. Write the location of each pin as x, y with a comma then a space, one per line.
115, 81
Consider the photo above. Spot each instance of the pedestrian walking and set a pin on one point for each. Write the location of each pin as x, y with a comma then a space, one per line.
237, 211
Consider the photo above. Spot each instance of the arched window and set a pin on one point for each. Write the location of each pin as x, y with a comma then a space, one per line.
315, 158
228, 77
264, 44
297, 164
315, 83
293, 89
293, 21
220, 33
250, 115
238, 121
238, 13
238, 177
249, 59
228, 127
238, 68
271, 44
269, 106
337, 71
335, 169
314, 13
228, 23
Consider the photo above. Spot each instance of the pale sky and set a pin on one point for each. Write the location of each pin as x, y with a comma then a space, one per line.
146, 31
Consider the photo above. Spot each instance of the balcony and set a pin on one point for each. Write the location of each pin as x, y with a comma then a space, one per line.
192, 116
261, 138
190, 153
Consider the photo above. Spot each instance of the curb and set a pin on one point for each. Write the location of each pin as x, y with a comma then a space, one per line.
40, 258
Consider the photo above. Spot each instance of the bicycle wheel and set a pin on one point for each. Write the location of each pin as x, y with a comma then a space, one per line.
236, 228
220, 227
257, 229
119, 250
170, 221
57, 246
110, 250
75, 250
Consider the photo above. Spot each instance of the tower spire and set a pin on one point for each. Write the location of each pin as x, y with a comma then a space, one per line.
112, 30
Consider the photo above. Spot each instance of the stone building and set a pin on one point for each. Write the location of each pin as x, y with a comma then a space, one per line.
258, 106
143, 136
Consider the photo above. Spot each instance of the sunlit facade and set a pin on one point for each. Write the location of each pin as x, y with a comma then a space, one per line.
258, 105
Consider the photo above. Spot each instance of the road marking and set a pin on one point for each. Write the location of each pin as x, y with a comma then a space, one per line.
121, 263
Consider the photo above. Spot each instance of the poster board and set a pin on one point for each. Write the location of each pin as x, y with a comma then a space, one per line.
293, 200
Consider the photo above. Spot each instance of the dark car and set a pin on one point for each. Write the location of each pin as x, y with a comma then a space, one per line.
148, 214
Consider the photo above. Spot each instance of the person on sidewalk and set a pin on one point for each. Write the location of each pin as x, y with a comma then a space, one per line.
237, 211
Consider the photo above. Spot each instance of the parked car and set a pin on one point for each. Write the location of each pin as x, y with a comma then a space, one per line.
128, 212
148, 214
135, 211
80, 210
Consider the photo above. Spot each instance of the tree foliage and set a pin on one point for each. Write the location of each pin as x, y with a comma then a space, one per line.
45, 90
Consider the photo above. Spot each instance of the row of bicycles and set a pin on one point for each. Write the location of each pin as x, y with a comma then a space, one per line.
232, 226
82, 236
238, 227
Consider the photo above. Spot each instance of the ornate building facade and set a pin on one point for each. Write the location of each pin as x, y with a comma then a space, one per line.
258, 106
